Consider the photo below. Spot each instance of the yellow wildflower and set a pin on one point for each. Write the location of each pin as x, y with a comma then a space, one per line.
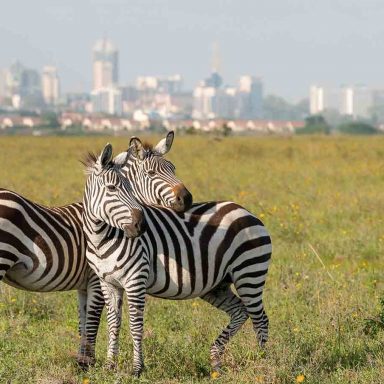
300, 379
86, 380
215, 375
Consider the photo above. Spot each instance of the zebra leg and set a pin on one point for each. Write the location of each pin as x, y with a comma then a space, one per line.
95, 305
224, 299
251, 293
113, 297
82, 309
136, 304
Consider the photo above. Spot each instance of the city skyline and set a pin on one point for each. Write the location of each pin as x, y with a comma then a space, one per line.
24, 88
289, 45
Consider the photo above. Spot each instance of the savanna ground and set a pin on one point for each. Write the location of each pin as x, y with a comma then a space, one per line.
322, 200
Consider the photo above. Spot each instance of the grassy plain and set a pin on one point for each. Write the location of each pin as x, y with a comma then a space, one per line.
322, 200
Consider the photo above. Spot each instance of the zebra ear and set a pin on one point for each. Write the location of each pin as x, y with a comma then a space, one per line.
106, 156
137, 148
164, 145
122, 158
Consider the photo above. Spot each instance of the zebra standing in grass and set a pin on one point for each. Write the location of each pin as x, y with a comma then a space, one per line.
43, 249
198, 253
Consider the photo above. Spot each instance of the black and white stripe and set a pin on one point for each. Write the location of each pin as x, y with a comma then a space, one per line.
199, 253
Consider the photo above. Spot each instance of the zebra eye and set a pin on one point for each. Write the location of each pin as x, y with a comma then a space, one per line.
151, 173
111, 188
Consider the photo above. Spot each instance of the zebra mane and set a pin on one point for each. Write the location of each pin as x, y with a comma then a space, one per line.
89, 161
148, 146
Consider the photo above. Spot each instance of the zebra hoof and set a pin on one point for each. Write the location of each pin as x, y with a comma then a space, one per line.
136, 375
137, 372
111, 365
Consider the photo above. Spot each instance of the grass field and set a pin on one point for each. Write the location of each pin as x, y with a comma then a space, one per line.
321, 198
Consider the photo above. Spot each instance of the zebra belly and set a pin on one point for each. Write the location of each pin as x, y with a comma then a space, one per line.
18, 276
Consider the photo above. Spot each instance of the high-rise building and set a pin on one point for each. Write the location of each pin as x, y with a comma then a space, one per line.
214, 80
20, 87
347, 101
30, 83
105, 64
250, 98
170, 84
3, 83
316, 100
204, 102
363, 101
356, 101
14, 78
50, 85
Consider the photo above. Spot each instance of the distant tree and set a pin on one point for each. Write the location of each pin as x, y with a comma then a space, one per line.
315, 125
277, 108
50, 119
357, 128
226, 130
156, 126
190, 130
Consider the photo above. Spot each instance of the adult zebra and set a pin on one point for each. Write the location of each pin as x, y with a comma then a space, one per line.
43, 249
198, 253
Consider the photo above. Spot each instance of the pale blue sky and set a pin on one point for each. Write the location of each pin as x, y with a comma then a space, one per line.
289, 43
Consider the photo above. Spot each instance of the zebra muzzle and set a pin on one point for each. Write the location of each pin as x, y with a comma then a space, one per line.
183, 198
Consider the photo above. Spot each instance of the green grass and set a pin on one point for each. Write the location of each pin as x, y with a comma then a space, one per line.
322, 199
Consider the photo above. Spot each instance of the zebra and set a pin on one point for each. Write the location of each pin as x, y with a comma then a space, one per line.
43, 249
198, 253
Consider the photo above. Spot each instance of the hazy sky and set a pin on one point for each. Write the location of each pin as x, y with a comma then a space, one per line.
289, 43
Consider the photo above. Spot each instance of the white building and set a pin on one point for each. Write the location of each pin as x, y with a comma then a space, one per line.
50, 85
204, 102
3, 83
105, 64
107, 100
145, 83
249, 98
164, 84
316, 100
347, 101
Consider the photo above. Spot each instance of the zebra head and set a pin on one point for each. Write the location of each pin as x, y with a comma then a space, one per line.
108, 195
153, 177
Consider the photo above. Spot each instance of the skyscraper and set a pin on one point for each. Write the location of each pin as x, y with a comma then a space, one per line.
316, 100
105, 64
250, 98
50, 85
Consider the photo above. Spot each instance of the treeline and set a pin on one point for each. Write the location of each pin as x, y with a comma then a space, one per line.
318, 125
